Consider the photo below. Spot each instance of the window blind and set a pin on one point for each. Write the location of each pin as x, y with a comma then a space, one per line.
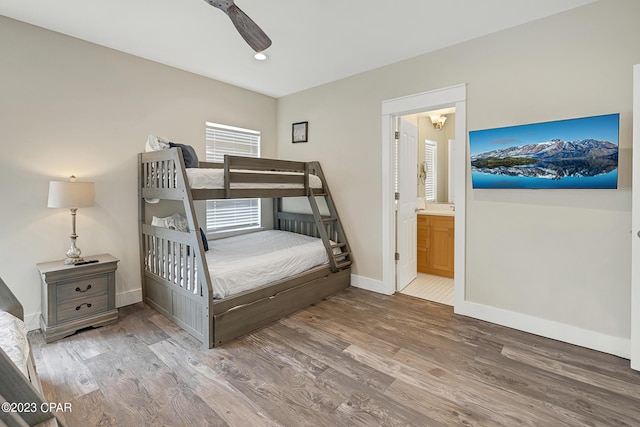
232, 214
430, 181
222, 139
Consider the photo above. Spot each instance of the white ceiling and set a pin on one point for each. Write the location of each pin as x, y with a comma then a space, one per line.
314, 41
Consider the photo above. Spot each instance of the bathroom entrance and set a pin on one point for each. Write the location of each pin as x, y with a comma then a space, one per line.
425, 207
400, 225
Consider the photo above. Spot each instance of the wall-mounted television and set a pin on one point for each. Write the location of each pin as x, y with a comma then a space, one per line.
574, 153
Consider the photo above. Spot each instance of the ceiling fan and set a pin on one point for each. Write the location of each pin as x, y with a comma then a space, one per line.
249, 30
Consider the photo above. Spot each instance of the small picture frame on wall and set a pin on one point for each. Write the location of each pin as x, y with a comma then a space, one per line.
299, 132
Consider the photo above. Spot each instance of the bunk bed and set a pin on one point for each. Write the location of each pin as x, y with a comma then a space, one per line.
176, 276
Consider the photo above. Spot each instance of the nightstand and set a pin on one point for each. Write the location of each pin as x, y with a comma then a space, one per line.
76, 297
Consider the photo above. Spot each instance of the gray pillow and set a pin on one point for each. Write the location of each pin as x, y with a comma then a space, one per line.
188, 154
205, 243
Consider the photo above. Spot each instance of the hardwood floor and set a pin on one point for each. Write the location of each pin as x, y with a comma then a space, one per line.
357, 358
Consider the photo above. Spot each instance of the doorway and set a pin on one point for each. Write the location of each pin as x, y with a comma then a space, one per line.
455, 97
425, 199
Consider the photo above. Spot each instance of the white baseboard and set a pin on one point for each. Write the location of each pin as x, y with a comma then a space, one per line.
129, 297
32, 321
369, 284
617, 346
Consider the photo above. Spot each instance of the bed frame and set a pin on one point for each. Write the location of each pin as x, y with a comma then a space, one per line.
14, 386
169, 259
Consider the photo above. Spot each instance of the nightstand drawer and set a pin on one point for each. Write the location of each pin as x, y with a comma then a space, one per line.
82, 308
84, 288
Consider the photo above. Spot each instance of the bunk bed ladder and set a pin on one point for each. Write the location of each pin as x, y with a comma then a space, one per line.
329, 227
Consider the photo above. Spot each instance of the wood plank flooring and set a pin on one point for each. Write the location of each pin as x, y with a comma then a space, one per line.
357, 359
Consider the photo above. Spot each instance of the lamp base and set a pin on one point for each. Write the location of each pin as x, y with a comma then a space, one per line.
73, 260
73, 254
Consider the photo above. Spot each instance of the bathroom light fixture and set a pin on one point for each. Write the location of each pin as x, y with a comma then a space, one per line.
261, 56
73, 195
438, 121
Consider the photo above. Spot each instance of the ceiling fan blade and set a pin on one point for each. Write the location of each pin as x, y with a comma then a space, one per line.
249, 30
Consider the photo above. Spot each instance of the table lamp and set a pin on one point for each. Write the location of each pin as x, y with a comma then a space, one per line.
73, 195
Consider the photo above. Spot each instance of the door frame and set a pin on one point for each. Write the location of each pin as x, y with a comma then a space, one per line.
635, 226
453, 96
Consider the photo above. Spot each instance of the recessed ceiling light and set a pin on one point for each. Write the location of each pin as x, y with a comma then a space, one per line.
260, 56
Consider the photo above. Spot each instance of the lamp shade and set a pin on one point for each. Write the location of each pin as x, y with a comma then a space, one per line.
70, 194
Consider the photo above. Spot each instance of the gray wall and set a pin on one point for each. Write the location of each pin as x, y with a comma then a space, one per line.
561, 256
72, 107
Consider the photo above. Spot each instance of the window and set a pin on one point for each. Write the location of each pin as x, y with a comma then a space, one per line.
430, 172
232, 214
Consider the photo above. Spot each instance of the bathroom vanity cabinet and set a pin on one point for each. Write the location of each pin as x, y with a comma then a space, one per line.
435, 244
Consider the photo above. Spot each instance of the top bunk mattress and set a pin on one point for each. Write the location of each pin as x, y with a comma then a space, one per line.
240, 263
208, 178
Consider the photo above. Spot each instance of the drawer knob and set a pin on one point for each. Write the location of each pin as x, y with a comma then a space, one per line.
88, 304
80, 290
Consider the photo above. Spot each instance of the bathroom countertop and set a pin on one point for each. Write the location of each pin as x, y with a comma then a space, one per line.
436, 212
439, 209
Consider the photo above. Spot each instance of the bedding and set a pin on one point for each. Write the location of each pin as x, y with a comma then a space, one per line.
205, 242
188, 155
173, 222
156, 143
13, 340
240, 263
178, 222
214, 178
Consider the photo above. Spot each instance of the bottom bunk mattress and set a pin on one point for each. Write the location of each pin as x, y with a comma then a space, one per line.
245, 262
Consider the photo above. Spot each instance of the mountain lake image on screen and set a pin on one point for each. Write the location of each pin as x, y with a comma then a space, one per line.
573, 153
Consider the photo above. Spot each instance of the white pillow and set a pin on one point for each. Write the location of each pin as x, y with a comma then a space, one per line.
174, 222
156, 143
